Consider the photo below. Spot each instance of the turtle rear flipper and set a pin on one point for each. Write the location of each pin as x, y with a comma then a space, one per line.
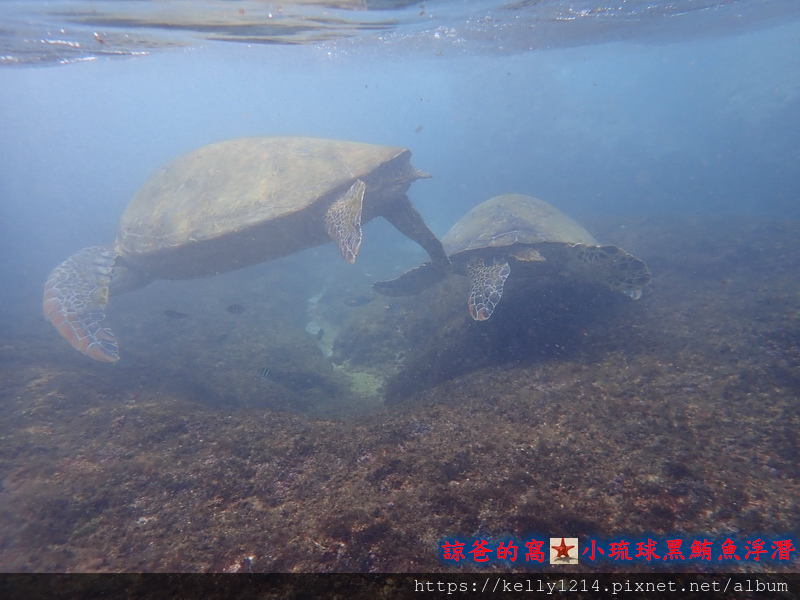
75, 298
412, 282
487, 286
343, 221
611, 266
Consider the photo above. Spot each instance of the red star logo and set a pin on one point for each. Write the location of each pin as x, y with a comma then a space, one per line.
562, 549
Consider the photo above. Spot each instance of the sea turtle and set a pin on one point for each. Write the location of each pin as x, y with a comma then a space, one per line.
528, 233
229, 205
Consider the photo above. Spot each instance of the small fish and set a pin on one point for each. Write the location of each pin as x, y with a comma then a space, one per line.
392, 306
174, 314
235, 309
264, 373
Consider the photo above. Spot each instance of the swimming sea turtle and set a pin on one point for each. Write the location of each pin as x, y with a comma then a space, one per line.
229, 205
528, 233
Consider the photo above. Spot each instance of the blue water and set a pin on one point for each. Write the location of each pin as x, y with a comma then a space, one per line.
641, 111
705, 124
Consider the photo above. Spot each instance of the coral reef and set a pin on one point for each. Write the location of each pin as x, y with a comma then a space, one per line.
574, 411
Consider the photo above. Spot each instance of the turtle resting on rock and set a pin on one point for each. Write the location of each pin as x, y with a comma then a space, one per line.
229, 205
512, 232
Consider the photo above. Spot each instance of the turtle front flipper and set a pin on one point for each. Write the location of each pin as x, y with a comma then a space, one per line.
75, 298
343, 221
411, 282
487, 286
407, 220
